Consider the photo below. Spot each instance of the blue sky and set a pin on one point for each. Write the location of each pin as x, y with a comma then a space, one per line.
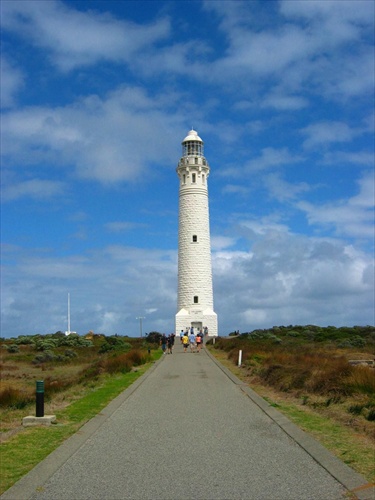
96, 99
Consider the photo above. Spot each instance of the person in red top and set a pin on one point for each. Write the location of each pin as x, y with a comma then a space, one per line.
199, 341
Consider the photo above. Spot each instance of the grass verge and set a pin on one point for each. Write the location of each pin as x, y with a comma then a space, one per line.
25, 450
352, 448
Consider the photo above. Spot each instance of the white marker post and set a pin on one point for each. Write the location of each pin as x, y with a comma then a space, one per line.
240, 358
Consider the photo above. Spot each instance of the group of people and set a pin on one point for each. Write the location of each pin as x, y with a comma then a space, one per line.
188, 338
167, 343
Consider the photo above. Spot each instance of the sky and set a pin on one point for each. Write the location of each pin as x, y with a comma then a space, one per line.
96, 98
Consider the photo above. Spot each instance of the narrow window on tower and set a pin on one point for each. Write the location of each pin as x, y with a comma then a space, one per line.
193, 180
203, 179
184, 179
196, 160
195, 238
195, 299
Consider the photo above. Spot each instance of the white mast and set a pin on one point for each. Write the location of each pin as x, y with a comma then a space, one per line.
68, 332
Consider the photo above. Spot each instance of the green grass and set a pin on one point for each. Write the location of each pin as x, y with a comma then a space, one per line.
340, 440
26, 449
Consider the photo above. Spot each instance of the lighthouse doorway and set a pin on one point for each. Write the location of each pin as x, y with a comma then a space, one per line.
197, 325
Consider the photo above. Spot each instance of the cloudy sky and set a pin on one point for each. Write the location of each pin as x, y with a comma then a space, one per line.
96, 98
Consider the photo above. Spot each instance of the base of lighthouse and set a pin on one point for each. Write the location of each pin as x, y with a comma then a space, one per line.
197, 318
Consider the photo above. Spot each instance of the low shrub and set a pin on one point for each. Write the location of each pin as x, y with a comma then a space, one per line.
114, 343
69, 353
12, 348
153, 337
92, 372
54, 385
356, 409
124, 362
118, 364
44, 357
328, 375
14, 398
361, 380
138, 357
355, 341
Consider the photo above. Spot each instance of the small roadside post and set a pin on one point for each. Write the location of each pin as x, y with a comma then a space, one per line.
39, 400
40, 418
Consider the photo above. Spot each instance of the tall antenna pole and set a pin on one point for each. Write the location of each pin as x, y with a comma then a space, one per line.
68, 313
140, 323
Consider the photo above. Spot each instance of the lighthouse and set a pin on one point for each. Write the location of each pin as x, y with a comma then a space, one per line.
195, 304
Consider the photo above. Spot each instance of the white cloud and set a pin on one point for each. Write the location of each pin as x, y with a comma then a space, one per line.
363, 158
74, 38
281, 279
220, 242
11, 81
39, 189
271, 157
288, 279
109, 287
308, 53
344, 18
285, 102
109, 140
123, 226
326, 133
353, 217
283, 190
235, 189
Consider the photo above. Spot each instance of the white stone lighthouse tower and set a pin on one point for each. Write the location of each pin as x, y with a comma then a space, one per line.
195, 297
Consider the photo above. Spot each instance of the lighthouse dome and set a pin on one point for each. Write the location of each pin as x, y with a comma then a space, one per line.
192, 136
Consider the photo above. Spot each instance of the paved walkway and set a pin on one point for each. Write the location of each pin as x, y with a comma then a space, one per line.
188, 429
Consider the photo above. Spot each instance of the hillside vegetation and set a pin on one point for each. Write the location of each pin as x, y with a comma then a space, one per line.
328, 372
322, 366
66, 364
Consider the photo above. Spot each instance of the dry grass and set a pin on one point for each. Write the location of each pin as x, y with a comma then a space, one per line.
350, 437
315, 376
64, 381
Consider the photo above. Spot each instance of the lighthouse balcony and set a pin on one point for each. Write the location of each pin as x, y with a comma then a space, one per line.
187, 161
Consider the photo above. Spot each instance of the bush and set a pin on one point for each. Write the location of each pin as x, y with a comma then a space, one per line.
24, 340
13, 348
355, 341
74, 340
14, 398
46, 344
138, 357
153, 337
52, 386
123, 363
118, 364
114, 343
361, 380
69, 353
44, 357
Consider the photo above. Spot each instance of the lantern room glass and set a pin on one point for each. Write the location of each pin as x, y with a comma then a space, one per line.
192, 148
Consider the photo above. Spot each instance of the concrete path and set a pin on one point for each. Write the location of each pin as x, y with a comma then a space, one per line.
188, 429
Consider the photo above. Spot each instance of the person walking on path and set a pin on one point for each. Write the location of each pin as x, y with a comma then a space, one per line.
169, 344
163, 343
185, 341
199, 341
192, 341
